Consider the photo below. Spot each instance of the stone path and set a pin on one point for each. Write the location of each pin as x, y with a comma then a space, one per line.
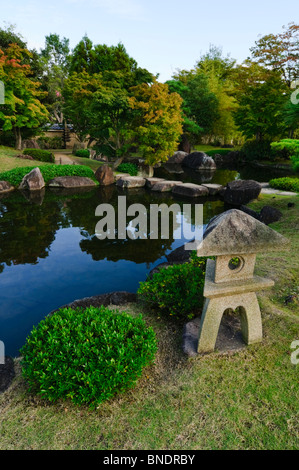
278, 192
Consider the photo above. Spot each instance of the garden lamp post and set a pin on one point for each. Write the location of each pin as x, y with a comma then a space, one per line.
234, 238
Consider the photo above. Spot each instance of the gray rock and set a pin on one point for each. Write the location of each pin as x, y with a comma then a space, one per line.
179, 255
240, 192
177, 157
269, 214
199, 161
213, 188
130, 182
104, 175
71, 182
150, 182
165, 185
190, 190
111, 298
173, 168
5, 187
33, 181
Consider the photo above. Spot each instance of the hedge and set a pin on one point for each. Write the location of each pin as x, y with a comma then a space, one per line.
41, 155
16, 175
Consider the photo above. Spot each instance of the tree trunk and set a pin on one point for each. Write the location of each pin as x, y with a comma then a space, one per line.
18, 136
117, 162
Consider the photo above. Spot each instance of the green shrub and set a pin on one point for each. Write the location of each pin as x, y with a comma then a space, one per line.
254, 150
83, 153
130, 168
286, 184
211, 153
176, 290
86, 355
291, 146
16, 175
41, 155
295, 162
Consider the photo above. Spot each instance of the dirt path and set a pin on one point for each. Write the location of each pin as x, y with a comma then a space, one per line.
62, 159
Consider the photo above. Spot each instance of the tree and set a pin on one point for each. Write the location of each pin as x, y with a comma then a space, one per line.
200, 105
55, 59
22, 109
279, 52
158, 121
261, 94
219, 72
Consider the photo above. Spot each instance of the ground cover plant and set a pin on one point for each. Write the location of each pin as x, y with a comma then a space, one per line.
16, 175
86, 355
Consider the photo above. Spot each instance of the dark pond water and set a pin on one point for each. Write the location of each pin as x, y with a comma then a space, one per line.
50, 256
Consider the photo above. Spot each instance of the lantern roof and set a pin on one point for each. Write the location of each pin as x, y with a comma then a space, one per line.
235, 232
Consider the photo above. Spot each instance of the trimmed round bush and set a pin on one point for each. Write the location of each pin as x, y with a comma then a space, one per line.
130, 168
177, 290
41, 155
86, 355
286, 184
83, 153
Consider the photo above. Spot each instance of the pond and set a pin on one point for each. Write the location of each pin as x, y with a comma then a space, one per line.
50, 255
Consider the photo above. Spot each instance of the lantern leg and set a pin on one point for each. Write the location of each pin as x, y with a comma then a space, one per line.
250, 316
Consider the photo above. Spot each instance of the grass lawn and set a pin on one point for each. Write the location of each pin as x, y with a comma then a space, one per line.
93, 164
244, 400
205, 148
8, 161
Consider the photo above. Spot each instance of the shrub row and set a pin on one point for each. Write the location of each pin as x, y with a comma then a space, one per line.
287, 184
41, 155
16, 175
86, 355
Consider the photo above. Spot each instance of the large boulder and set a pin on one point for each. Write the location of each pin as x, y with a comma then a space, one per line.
199, 161
240, 192
5, 187
104, 175
71, 182
190, 190
33, 181
177, 157
269, 214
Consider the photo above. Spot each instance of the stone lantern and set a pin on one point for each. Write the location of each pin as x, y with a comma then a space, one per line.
234, 238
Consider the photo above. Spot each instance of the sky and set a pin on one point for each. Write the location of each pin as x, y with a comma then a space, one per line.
161, 35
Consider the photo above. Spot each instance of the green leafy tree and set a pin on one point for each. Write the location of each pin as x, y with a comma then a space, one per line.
279, 52
261, 94
158, 121
55, 59
22, 109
